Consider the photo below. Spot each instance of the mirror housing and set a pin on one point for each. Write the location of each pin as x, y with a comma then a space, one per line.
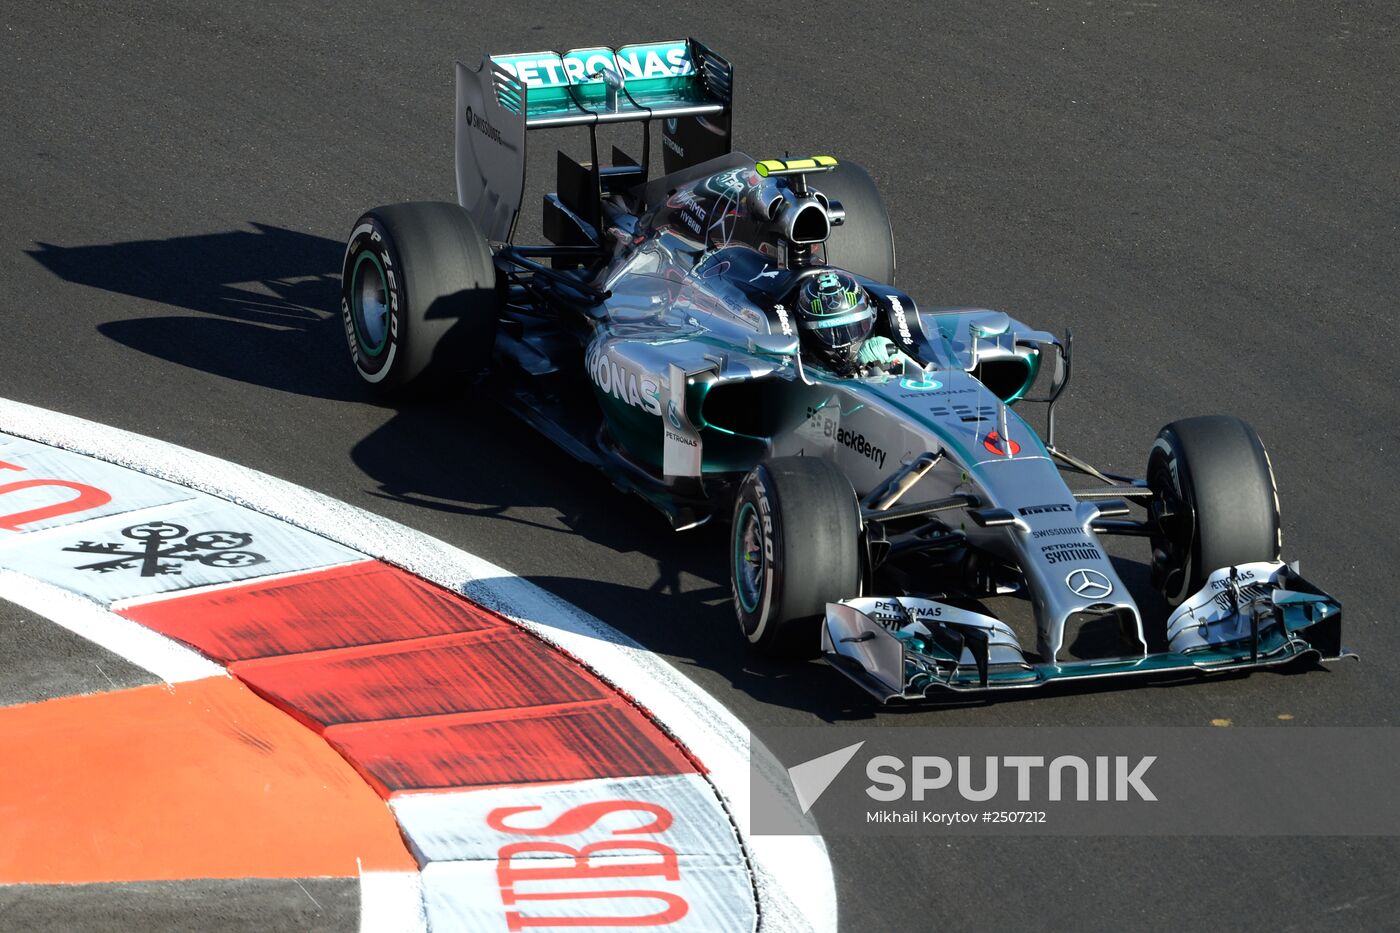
774, 344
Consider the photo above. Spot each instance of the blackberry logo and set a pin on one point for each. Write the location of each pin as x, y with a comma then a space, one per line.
847, 438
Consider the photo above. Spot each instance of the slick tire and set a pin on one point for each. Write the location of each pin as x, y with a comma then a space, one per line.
864, 243
418, 297
794, 547
1214, 502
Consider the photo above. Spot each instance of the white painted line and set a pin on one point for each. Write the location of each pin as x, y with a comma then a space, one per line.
792, 874
166, 658
392, 902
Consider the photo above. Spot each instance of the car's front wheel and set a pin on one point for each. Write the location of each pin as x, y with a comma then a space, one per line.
795, 546
1214, 503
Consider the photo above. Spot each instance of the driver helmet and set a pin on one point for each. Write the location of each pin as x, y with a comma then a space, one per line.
834, 317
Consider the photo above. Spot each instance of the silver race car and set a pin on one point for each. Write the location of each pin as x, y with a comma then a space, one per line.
726, 339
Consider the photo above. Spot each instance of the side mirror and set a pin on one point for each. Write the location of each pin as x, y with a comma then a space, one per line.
835, 213
990, 324
1062, 363
773, 344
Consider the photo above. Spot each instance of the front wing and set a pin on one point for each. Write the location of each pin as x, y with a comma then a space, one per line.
1251, 616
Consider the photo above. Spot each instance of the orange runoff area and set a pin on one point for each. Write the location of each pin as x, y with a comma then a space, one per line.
195, 780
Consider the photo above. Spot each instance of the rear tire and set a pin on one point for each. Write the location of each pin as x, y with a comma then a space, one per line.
1214, 502
864, 243
795, 546
418, 296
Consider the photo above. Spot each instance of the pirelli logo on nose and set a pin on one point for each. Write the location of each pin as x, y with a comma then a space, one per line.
1040, 509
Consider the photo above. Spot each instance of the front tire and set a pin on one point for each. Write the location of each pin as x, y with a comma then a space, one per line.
794, 548
1214, 502
418, 296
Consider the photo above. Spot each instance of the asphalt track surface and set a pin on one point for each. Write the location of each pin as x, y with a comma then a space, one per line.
1205, 193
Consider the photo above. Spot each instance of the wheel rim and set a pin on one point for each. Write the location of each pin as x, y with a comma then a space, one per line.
370, 294
749, 561
1173, 533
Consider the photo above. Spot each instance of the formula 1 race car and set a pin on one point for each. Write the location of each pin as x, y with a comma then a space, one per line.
726, 339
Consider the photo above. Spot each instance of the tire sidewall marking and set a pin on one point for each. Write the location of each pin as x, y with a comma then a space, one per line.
368, 235
761, 496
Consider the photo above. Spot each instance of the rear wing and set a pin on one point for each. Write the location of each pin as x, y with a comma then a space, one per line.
682, 83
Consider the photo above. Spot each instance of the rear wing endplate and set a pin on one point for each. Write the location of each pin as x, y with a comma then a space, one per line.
681, 83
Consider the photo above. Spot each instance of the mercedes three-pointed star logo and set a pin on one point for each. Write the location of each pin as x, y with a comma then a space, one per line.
1088, 583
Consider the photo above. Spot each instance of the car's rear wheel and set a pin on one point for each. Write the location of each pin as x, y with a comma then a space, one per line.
864, 243
795, 547
418, 296
1214, 502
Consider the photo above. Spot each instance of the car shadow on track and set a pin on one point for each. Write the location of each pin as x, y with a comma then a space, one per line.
259, 306
265, 302
667, 590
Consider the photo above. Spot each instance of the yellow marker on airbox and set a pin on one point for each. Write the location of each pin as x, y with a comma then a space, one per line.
775, 167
